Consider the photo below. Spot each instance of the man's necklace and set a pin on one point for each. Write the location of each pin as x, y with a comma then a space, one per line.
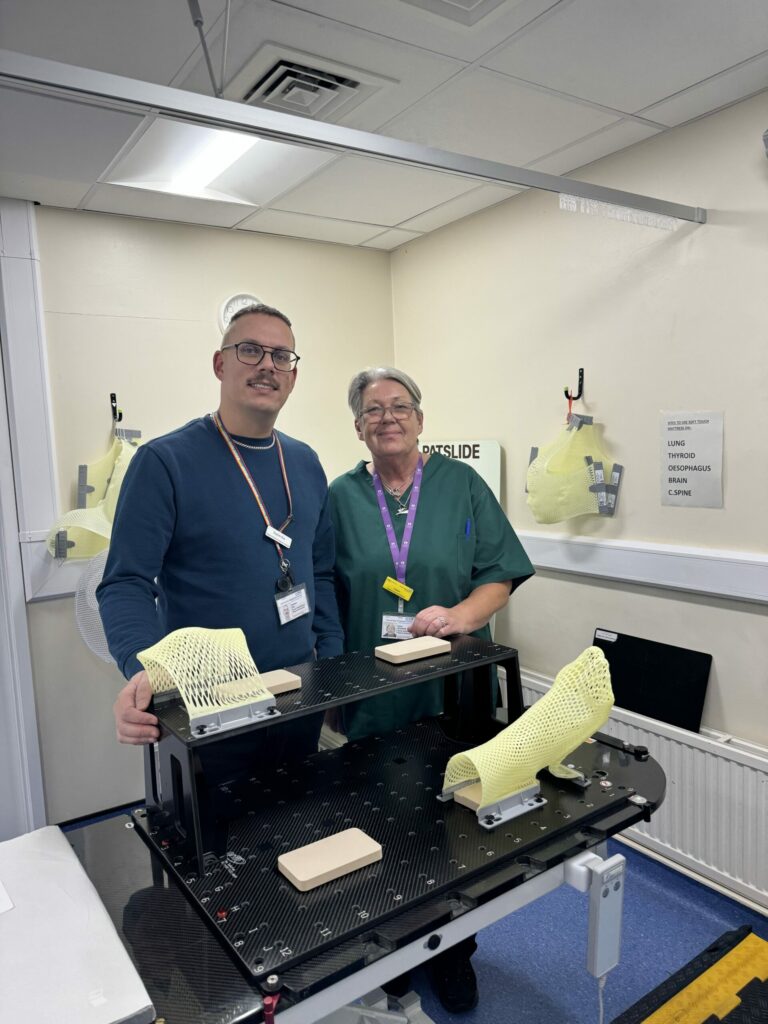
255, 447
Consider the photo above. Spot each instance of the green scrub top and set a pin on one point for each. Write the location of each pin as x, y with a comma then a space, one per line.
461, 539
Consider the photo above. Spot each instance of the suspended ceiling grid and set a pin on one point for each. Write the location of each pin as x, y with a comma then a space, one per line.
535, 83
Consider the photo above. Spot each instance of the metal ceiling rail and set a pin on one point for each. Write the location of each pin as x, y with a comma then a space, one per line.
68, 80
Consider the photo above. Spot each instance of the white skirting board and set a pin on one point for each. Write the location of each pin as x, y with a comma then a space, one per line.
714, 819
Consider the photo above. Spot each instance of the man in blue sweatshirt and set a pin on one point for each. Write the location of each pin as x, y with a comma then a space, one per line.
222, 523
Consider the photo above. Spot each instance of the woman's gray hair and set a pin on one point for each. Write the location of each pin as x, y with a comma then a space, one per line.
361, 381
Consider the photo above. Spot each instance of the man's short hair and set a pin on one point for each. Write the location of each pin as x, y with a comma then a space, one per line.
257, 307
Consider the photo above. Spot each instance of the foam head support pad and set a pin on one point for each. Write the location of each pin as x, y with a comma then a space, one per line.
412, 650
578, 703
279, 680
329, 858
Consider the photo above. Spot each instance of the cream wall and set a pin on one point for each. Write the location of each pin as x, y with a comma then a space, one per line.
131, 307
493, 315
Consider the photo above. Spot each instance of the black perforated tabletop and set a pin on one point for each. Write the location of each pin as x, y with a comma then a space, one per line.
332, 682
388, 787
215, 848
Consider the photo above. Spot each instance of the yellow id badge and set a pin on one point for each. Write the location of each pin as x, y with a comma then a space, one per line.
397, 588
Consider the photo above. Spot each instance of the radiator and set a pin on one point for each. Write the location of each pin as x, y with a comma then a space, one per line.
714, 819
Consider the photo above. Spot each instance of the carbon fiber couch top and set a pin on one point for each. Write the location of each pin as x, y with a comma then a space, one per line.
388, 787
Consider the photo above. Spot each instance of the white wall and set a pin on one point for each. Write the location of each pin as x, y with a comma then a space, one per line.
495, 314
131, 307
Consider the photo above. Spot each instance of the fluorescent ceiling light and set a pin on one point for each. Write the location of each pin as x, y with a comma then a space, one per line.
218, 153
214, 163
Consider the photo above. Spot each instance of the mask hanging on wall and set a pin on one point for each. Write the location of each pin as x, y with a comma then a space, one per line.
572, 476
84, 532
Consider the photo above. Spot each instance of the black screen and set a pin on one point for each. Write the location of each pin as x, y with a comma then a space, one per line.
654, 679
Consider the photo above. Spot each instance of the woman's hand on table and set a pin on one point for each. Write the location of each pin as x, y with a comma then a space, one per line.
465, 617
438, 621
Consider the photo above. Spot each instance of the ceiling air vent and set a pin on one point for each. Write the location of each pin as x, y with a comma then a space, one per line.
294, 82
465, 12
300, 89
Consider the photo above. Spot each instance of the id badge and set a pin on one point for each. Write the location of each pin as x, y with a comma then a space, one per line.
396, 627
292, 604
278, 537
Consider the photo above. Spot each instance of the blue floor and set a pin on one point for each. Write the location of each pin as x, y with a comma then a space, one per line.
531, 966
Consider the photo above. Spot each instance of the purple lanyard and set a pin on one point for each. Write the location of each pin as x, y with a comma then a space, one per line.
399, 554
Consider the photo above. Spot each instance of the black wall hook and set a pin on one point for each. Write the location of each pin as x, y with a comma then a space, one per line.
567, 392
117, 414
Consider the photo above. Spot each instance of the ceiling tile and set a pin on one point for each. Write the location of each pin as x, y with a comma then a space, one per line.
373, 191
134, 202
406, 73
487, 115
58, 138
424, 29
478, 199
321, 229
717, 92
39, 189
627, 55
669, 61
142, 39
463, 12
610, 140
391, 239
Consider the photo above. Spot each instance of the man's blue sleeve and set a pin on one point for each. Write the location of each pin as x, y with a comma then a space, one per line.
329, 636
141, 533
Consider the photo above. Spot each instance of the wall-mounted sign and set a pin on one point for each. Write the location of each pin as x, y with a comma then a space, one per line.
482, 456
692, 459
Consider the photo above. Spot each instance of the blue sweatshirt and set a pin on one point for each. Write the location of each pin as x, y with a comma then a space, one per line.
188, 549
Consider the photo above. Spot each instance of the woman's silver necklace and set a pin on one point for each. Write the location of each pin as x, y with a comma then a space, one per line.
256, 447
402, 506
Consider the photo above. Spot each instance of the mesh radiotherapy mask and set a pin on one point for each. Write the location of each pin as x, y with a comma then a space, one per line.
573, 476
87, 530
578, 703
215, 675
99, 473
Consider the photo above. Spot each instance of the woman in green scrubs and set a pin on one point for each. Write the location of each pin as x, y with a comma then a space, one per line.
462, 559
423, 548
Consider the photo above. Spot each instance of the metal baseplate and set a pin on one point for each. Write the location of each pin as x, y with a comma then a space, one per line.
490, 816
233, 717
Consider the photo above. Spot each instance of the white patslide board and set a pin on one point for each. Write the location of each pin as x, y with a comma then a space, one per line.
483, 456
